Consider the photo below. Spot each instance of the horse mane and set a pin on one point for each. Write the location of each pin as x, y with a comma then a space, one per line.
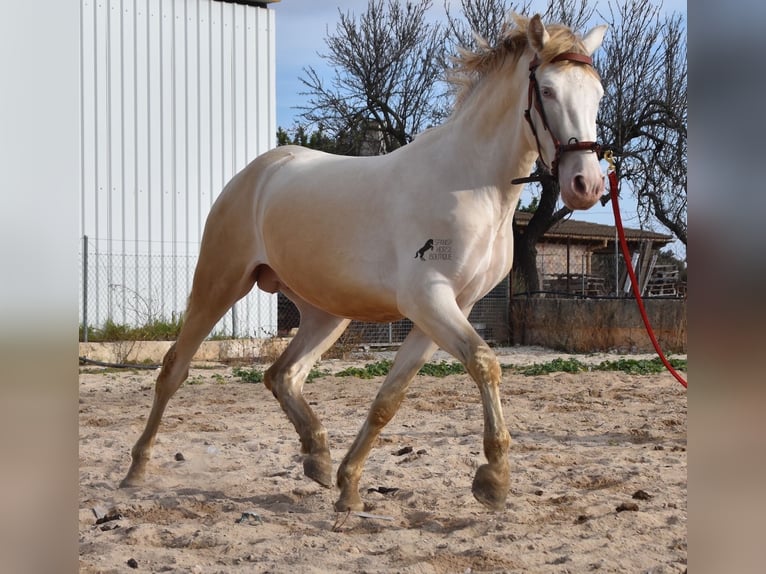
471, 67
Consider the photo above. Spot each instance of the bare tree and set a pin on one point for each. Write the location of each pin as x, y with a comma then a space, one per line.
388, 65
575, 14
479, 21
485, 19
643, 114
642, 118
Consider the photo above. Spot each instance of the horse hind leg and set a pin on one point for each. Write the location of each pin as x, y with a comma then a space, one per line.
285, 378
416, 349
206, 306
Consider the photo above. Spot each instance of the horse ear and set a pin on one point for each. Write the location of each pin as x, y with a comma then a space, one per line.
592, 40
537, 35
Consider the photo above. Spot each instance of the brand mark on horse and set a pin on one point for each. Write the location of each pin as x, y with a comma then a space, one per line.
441, 250
429, 245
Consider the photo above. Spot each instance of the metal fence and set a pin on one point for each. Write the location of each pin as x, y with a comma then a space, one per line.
135, 289
142, 287
138, 288
489, 317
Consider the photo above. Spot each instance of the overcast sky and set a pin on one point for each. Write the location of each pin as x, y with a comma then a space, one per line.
302, 26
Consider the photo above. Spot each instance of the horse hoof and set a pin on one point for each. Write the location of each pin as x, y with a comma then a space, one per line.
135, 476
490, 486
349, 503
130, 481
318, 467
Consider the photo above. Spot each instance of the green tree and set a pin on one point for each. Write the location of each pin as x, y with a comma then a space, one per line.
317, 139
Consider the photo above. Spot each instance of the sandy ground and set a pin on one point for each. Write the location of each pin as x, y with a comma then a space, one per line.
584, 446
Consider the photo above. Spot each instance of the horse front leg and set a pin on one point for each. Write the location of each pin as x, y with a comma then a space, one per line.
414, 352
492, 480
448, 325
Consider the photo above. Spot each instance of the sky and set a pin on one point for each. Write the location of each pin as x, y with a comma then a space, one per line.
301, 29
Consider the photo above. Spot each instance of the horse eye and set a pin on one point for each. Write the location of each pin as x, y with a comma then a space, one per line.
547, 92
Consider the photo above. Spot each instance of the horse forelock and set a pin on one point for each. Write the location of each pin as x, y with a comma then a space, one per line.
470, 67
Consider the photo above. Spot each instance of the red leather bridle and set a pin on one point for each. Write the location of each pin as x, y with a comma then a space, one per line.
535, 99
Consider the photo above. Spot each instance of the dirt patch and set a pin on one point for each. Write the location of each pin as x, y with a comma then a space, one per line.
236, 499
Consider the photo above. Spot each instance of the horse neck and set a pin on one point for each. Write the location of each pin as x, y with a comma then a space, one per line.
487, 136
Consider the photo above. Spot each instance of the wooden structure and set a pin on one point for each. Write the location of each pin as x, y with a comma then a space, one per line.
565, 259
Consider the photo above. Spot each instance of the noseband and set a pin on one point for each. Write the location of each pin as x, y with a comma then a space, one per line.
535, 99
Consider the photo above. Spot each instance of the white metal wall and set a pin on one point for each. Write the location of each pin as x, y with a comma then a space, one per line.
176, 97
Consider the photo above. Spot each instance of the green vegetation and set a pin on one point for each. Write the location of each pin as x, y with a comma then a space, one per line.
153, 330
255, 375
248, 375
558, 365
316, 374
442, 369
369, 371
640, 366
554, 366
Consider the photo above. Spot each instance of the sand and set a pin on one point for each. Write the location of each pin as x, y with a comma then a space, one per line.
598, 481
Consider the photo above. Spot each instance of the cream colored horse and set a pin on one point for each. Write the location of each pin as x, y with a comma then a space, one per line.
337, 235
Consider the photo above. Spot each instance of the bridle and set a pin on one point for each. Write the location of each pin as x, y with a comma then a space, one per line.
535, 99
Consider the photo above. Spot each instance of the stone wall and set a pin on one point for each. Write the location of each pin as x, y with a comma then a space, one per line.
590, 325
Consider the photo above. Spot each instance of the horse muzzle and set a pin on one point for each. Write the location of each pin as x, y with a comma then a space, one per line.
580, 180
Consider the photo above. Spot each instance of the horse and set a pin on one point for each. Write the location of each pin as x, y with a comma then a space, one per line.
335, 234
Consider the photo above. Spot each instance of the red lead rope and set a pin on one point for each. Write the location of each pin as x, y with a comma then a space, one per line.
634, 283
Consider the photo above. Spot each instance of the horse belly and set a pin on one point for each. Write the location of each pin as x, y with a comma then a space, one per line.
331, 270
342, 291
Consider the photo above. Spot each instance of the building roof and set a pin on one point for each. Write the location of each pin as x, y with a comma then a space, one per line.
586, 231
256, 3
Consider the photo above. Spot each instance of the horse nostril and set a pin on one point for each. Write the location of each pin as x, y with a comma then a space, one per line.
579, 184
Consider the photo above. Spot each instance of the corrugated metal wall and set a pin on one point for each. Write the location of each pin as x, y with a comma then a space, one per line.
176, 97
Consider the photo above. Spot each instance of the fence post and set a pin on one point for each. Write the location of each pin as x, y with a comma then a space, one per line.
234, 321
85, 288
